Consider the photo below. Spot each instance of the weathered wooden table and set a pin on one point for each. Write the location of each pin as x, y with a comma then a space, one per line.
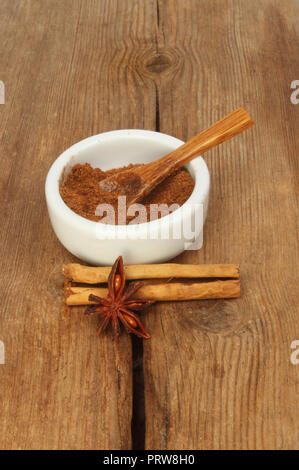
216, 374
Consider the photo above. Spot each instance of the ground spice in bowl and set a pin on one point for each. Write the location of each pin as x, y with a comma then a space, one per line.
81, 191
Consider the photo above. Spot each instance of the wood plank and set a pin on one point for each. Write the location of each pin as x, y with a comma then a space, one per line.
218, 373
66, 68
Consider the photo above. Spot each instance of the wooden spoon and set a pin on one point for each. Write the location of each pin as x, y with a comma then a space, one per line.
137, 183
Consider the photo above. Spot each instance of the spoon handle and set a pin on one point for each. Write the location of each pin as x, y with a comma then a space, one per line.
229, 126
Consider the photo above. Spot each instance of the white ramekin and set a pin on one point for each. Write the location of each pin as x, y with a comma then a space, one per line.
151, 242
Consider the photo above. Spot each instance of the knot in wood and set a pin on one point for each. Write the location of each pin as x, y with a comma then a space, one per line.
158, 63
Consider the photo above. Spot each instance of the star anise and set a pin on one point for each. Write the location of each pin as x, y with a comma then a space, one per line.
118, 306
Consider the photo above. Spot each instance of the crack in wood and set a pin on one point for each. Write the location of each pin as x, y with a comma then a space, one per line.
157, 123
138, 402
138, 405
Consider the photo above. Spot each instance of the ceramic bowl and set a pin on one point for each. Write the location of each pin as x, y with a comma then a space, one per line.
151, 242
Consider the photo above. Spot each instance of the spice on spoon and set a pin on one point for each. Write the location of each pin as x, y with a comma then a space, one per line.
82, 193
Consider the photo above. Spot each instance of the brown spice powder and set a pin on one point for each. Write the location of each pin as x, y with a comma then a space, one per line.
82, 193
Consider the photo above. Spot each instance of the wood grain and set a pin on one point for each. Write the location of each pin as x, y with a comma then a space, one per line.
217, 374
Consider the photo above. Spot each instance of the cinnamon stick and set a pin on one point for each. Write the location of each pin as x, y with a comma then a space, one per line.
95, 275
75, 295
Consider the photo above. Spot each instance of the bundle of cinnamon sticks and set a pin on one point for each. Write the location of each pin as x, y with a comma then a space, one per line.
162, 281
